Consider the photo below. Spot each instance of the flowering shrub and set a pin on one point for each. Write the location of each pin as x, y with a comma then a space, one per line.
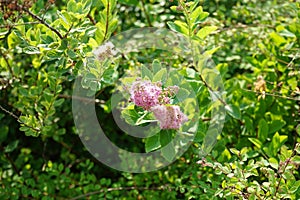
45, 45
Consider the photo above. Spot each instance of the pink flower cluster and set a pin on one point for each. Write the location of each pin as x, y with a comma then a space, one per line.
169, 116
150, 96
145, 94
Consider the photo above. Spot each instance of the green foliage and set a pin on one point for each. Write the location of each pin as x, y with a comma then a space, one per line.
45, 45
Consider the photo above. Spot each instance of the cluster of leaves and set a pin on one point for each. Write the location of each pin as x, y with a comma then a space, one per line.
45, 45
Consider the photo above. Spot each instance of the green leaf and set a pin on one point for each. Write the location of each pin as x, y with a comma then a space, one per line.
276, 125
233, 111
146, 72
205, 31
198, 16
296, 160
168, 152
263, 130
182, 94
58, 102
179, 27
161, 76
165, 137
156, 66
72, 6
54, 54
130, 116
109, 75
152, 143
11, 146
277, 142
3, 132
256, 142
23, 91
235, 151
31, 50
71, 54
129, 2
168, 149
273, 162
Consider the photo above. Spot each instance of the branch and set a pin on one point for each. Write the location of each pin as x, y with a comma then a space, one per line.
43, 22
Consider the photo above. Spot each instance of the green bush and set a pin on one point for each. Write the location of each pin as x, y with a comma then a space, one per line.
46, 45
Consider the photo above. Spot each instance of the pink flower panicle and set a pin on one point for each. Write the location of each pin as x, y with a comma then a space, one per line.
169, 116
150, 96
145, 94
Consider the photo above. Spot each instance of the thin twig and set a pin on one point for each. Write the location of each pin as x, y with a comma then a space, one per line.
44, 22
18, 119
274, 95
91, 19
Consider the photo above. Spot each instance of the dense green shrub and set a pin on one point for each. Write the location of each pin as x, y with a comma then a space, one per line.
45, 45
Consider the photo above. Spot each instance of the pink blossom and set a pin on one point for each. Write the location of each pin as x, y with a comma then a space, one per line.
169, 116
146, 94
